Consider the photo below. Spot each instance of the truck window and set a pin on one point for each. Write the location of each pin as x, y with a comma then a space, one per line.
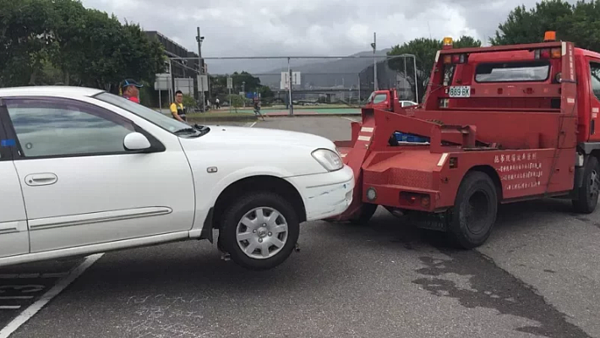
379, 98
595, 76
522, 71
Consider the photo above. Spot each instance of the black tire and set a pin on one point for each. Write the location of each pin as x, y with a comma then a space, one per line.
366, 212
474, 212
587, 196
238, 209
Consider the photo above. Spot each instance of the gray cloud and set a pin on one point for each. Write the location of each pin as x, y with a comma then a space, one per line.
309, 27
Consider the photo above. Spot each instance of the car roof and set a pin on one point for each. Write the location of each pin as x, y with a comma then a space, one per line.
60, 91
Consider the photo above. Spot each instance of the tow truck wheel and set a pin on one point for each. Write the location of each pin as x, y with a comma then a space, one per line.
259, 230
587, 198
367, 211
474, 212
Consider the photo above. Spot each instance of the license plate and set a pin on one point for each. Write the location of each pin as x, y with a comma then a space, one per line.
459, 91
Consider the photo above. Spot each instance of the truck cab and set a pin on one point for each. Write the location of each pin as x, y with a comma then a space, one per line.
382, 99
498, 124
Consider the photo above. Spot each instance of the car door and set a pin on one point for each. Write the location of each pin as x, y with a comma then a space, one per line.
14, 238
82, 187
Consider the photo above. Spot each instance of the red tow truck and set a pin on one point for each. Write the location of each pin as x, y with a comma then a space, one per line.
498, 125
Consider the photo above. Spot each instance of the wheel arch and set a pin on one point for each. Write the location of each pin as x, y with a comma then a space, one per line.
492, 174
265, 183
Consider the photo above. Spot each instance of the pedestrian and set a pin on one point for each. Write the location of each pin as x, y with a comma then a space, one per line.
218, 103
177, 109
131, 90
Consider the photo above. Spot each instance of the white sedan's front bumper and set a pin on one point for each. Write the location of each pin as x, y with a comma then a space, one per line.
325, 195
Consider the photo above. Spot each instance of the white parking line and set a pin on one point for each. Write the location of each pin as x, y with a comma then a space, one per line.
33, 275
10, 307
29, 312
15, 297
348, 118
252, 125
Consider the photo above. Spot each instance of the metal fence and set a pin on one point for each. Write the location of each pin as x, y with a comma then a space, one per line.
323, 81
320, 82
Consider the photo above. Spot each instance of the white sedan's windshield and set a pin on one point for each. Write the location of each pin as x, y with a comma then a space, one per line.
153, 116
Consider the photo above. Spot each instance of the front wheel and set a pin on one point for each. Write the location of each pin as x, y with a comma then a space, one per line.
474, 212
259, 230
587, 198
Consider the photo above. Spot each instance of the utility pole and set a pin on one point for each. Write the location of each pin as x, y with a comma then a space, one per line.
244, 91
199, 39
290, 105
374, 45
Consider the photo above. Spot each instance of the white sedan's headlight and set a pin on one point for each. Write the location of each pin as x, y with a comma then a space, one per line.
330, 160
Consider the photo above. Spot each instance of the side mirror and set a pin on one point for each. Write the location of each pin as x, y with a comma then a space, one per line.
136, 141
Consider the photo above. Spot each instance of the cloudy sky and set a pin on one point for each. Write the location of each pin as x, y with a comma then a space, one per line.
309, 27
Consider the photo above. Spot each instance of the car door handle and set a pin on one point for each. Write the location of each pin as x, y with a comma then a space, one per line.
41, 179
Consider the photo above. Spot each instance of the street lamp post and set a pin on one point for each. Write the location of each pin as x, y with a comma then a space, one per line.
374, 46
199, 39
244, 93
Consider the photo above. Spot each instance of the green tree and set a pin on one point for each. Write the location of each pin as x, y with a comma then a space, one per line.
25, 40
251, 83
528, 26
80, 46
424, 51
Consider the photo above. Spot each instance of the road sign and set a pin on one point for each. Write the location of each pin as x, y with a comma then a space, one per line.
186, 85
202, 83
163, 81
229, 83
285, 78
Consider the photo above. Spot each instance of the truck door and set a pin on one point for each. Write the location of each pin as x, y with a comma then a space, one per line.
14, 235
594, 99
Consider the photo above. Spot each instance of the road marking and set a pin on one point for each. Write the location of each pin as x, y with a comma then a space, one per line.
34, 275
54, 274
9, 307
349, 119
29, 312
15, 297
252, 125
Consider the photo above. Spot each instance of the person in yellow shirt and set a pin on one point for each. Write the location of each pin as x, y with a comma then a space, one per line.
177, 109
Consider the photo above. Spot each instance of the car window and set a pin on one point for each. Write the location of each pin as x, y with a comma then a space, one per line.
54, 127
157, 118
379, 98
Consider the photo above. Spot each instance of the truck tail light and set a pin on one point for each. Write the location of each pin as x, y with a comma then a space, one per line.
554, 53
414, 199
455, 59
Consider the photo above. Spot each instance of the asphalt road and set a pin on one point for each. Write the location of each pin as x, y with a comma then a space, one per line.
537, 276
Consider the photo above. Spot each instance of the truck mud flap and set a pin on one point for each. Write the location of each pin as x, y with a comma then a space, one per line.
430, 221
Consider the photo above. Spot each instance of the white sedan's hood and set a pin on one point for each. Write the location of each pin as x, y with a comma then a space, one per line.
265, 151
267, 137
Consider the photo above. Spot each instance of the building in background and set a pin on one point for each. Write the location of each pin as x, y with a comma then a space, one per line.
184, 72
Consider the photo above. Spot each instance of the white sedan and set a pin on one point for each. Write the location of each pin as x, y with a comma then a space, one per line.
86, 171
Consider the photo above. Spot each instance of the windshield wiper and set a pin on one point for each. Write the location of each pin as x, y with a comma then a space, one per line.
185, 131
202, 130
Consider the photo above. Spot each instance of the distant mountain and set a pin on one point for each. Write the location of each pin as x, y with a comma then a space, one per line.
330, 73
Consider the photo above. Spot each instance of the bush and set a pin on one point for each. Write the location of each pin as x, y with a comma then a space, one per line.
189, 101
236, 101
